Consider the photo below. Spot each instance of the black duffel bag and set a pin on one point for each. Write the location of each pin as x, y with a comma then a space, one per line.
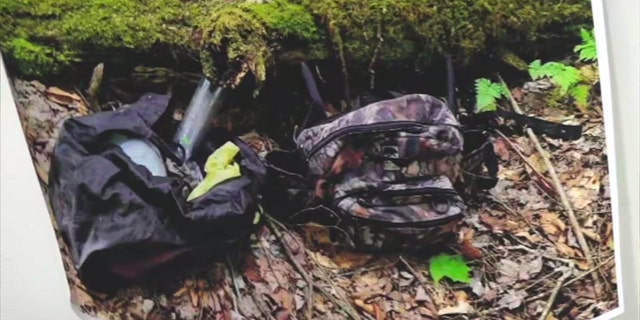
121, 222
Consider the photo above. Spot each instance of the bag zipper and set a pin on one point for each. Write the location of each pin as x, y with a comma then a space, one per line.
414, 224
361, 128
410, 192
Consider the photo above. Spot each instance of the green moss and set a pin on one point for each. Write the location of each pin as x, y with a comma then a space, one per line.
250, 33
42, 36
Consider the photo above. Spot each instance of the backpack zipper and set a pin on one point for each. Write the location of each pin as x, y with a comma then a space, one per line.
362, 128
413, 224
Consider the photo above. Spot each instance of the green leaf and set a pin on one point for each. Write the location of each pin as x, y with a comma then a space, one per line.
581, 94
488, 93
587, 49
563, 75
567, 78
451, 266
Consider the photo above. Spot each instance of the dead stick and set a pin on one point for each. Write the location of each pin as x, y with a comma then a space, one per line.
554, 295
522, 156
567, 284
324, 275
422, 283
563, 197
570, 282
307, 278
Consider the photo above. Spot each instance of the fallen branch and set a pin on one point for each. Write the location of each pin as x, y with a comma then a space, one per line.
307, 278
558, 186
554, 295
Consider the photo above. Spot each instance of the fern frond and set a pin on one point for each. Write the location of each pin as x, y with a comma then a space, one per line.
563, 75
581, 95
488, 93
587, 49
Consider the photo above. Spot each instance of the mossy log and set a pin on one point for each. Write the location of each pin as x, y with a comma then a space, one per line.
42, 38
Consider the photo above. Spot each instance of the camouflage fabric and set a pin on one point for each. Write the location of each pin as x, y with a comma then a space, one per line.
367, 237
382, 175
408, 126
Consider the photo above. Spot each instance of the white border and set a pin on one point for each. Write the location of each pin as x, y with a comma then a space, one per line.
33, 284
607, 106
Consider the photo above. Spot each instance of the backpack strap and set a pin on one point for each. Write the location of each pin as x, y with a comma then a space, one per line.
316, 112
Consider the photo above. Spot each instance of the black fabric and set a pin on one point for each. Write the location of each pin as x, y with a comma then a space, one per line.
490, 120
119, 221
288, 188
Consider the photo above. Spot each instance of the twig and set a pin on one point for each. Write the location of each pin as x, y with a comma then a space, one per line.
422, 283
260, 305
521, 247
307, 278
566, 285
522, 156
554, 295
563, 197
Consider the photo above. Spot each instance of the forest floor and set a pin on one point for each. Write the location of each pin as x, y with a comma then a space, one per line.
524, 251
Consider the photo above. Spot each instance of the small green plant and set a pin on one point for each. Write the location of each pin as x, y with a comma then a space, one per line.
451, 266
565, 76
572, 82
488, 94
587, 49
569, 79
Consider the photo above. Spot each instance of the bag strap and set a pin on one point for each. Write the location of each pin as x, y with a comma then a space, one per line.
317, 110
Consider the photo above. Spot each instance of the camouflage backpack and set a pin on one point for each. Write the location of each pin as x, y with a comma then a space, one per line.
394, 173
385, 172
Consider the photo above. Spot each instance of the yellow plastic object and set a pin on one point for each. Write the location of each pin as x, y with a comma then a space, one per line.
219, 167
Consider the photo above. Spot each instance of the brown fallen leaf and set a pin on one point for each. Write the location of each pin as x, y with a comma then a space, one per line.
462, 305
501, 149
62, 97
351, 260
323, 260
565, 249
538, 164
517, 93
426, 313
497, 225
370, 309
551, 223
421, 295
609, 237
591, 235
467, 248
531, 238
581, 197
380, 313
582, 264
